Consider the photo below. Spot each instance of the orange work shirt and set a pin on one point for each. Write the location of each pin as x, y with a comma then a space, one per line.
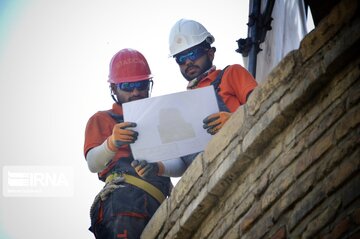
235, 86
98, 128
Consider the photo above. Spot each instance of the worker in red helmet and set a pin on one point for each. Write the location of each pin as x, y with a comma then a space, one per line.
126, 203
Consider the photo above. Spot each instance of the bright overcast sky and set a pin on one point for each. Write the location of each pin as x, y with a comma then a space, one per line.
54, 58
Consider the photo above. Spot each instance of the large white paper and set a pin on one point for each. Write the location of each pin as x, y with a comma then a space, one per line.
170, 126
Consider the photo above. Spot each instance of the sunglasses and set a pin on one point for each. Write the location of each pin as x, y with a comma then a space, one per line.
192, 55
130, 86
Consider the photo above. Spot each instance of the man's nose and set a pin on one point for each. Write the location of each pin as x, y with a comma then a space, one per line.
188, 62
135, 91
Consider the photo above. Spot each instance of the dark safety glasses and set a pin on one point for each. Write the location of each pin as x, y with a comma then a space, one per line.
130, 86
192, 55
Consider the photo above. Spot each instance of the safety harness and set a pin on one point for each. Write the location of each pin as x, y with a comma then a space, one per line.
217, 81
216, 84
127, 178
144, 185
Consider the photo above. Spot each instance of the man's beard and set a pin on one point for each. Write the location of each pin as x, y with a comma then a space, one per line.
207, 65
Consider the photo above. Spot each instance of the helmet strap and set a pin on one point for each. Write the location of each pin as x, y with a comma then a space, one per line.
114, 98
151, 86
113, 95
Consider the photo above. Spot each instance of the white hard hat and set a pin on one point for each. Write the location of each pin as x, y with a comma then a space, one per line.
186, 34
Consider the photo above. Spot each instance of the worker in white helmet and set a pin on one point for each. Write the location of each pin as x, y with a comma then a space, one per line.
190, 45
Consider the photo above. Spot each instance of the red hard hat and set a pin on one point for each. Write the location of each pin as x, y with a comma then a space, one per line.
128, 65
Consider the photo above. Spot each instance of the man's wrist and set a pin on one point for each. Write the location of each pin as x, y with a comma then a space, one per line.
110, 145
161, 168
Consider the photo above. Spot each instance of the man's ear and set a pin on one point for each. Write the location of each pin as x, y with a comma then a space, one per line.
112, 88
211, 53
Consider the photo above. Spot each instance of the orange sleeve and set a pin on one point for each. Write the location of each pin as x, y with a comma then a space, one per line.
98, 129
237, 83
242, 82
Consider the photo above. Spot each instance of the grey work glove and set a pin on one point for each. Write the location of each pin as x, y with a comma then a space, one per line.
214, 122
145, 169
121, 135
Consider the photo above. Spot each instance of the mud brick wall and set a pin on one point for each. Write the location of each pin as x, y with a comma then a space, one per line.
286, 164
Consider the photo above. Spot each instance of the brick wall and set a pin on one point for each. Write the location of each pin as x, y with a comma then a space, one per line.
286, 165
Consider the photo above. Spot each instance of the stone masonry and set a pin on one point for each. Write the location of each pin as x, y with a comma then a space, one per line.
286, 164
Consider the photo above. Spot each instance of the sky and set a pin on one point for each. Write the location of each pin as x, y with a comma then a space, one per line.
54, 58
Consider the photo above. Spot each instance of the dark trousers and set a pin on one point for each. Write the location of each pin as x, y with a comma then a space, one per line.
123, 214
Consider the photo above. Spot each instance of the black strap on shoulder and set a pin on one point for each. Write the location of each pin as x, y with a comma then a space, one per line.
116, 117
216, 83
217, 80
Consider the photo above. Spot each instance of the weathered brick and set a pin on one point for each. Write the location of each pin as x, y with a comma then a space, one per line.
250, 217
339, 229
295, 193
356, 235
279, 76
224, 208
339, 50
355, 216
345, 85
244, 206
267, 159
300, 123
308, 82
236, 195
321, 191
276, 189
270, 124
260, 228
325, 105
222, 227
320, 147
211, 167
322, 220
344, 171
154, 226
261, 186
173, 217
307, 204
339, 153
289, 155
177, 232
350, 192
233, 233
349, 121
280, 234
197, 210
212, 221
327, 28
222, 139
310, 156
191, 175
327, 118
354, 95
227, 172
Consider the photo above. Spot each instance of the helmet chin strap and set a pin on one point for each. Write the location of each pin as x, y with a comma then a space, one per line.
113, 95
114, 98
151, 86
